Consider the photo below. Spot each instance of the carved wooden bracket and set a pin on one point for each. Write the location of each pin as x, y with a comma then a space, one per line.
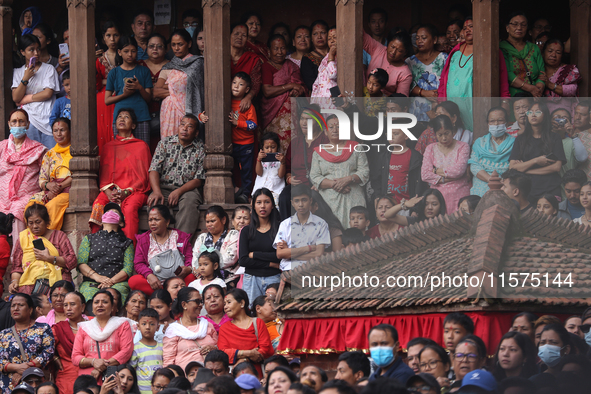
83, 3
5, 12
345, 2
213, 3
578, 3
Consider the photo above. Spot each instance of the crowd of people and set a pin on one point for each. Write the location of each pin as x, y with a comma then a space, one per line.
176, 310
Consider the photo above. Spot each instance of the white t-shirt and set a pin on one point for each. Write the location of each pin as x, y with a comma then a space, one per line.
39, 112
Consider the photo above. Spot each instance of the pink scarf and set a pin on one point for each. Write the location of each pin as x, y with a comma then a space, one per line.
289, 73
346, 152
30, 152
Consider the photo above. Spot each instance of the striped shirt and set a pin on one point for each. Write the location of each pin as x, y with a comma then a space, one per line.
146, 360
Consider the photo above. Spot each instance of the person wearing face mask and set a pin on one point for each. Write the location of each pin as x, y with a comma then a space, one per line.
490, 152
554, 344
383, 346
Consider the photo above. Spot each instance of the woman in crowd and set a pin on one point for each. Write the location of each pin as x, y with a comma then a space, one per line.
452, 32
213, 298
321, 209
524, 323
586, 203
57, 294
339, 173
452, 111
434, 360
490, 152
161, 302
180, 84
470, 354
105, 258
35, 340
468, 204
524, 59
539, 153
384, 225
64, 333
125, 380
161, 379
548, 205
252, 20
188, 331
135, 302
391, 58
263, 308
429, 205
240, 339
34, 87
301, 43
444, 164
257, 254
281, 82
104, 64
161, 242
283, 30
572, 325
173, 286
111, 334
219, 237
124, 175
311, 60
541, 323
42, 304
574, 150
31, 264
29, 19
555, 343
55, 177
46, 45
516, 356
561, 80
280, 379
426, 66
246, 61
327, 73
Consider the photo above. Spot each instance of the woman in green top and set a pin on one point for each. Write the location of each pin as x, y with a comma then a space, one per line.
524, 59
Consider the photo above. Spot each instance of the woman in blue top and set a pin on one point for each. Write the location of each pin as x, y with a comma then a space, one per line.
132, 85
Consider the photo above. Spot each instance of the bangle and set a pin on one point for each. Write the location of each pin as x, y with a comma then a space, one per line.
420, 91
522, 85
309, 248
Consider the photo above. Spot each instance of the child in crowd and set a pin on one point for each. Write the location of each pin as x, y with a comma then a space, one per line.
161, 302
354, 235
62, 108
468, 203
271, 290
130, 86
456, 326
270, 167
208, 272
310, 232
147, 353
240, 217
548, 205
359, 218
263, 308
243, 127
377, 80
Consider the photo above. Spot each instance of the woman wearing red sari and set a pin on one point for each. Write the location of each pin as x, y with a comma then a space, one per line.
246, 61
104, 65
252, 20
123, 175
281, 82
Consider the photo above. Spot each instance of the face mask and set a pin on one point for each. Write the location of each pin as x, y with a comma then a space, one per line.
413, 39
382, 355
191, 30
111, 217
549, 354
588, 338
18, 132
497, 130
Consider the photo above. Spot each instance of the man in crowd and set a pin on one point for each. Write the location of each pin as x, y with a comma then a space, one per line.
583, 131
383, 346
142, 27
352, 367
571, 208
517, 186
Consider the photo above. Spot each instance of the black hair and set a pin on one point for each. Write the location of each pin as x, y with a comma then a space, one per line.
462, 319
247, 365
452, 109
546, 131
214, 257
220, 213
386, 328
62, 120
240, 295
248, 14
6, 223
516, 13
213, 286
527, 385
277, 359
442, 122
271, 136
301, 190
472, 200
182, 33
164, 212
384, 385
39, 210
233, 27
456, 22
405, 39
167, 282
193, 13
167, 373
30, 302
274, 37
162, 295
179, 371
222, 385
119, 298
217, 356
131, 113
575, 175
430, 28
27, 40
357, 361
192, 365
160, 36
560, 330
552, 200
353, 236
142, 11
134, 387
420, 207
494, 109
278, 25
301, 388
272, 286
83, 382
104, 291
420, 341
255, 221
124, 41
578, 344
440, 352
340, 386
325, 212
320, 22
149, 312
381, 76
519, 180
181, 383
475, 341
79, 295
290, 375
580, 359
359, 209
66, 75
300, 27
240, 208
109, 25
61, 283
244, 76
377, 10
133, 292
398, 98
584, 103
50, 384
46, 30
183, 295
259, 301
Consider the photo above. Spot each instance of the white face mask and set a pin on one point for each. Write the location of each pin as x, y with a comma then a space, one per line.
497, 130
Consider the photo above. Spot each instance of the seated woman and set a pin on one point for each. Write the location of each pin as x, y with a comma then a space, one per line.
385, 225
31, 264
173, 286
55, 177
124, 175
491, 152
57, 294
161, 248
136, 302
105, 258
213, 298
445, 163
427, 206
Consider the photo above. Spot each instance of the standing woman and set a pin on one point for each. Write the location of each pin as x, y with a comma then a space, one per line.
104, 64
253, 21
57, 294
213, 298
35, 339
311, 60
64, 333
245, 61
327, 73
135, 302
586, 203
45, 35
561, 80
524, 59
385, 225
301, 43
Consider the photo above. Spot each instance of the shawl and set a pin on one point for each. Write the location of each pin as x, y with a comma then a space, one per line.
193, 67
258, 48
314, 59
289, 73
94, 331
65, 335
62, 172
125, 163
246, 63
566, 74
34, 269
521, 60
178, 330
347, 151
488, 154
30, 152
36, 20
215, 325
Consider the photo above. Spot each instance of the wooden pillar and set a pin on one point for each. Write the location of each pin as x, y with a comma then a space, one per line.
580, 42
218, 132
350, 47
6, 104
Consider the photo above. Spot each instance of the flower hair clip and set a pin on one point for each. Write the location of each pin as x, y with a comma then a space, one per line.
375, 70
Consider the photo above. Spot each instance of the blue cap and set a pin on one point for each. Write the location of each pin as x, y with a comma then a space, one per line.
247, 381
480, 378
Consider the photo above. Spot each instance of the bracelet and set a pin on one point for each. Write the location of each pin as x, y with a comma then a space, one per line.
522, 85
420, 91
283, 87
513, 81
309, 248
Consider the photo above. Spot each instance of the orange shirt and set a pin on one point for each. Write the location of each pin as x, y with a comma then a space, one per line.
272, 328
243, 133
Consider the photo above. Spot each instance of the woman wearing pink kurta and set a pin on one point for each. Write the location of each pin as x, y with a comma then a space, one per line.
190, 338
391, 59
445, 163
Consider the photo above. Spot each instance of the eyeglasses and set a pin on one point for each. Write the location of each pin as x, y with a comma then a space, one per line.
537, 113
585, 328
198, 301
154, 46
431, 364
193, 24
463, 356
159, 388
422, 389
540, 42
516, 25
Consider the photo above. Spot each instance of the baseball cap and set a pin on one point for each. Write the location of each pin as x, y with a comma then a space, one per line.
24, 388
33, 371
425, 377
480, 378
247, 381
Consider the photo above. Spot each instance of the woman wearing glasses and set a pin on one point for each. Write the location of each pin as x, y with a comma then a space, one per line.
433, 359
470, 354
190, 338
524, 59
56, 295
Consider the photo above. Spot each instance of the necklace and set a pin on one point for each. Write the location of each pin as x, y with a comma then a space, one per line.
166, 239
73, 329
462, 55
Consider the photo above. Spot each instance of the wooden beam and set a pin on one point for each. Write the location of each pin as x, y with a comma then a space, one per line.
6, 103
580, 44
350, 49
218, 132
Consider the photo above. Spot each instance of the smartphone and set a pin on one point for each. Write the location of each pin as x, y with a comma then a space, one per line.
334, 92
270, 157
64, 50
38, 244
551, 156
110, 371
178, 271
32, 62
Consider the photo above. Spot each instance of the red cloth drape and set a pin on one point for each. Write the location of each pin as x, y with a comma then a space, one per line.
125, 162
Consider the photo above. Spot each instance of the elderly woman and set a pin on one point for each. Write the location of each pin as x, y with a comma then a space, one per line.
252, 20
35, 340
470, 354
180, 84
213, 299
490, 152
281, 82
339, 172
219, 237
55, 177
311, 60
327, 73
445, 163
124, 174
239, 338
57, 293
190, 338
64, 333
104, 64
20, 163
524, 59
301, 43
105, 258
135, 303
161, 247
246, 61
426, 66
105, 341
574, 149
44, 267
561, 80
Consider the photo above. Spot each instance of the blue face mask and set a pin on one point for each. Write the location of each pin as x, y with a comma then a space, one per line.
382, 355
191, 30
497, 130
549, 354
588, 337
18, 132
